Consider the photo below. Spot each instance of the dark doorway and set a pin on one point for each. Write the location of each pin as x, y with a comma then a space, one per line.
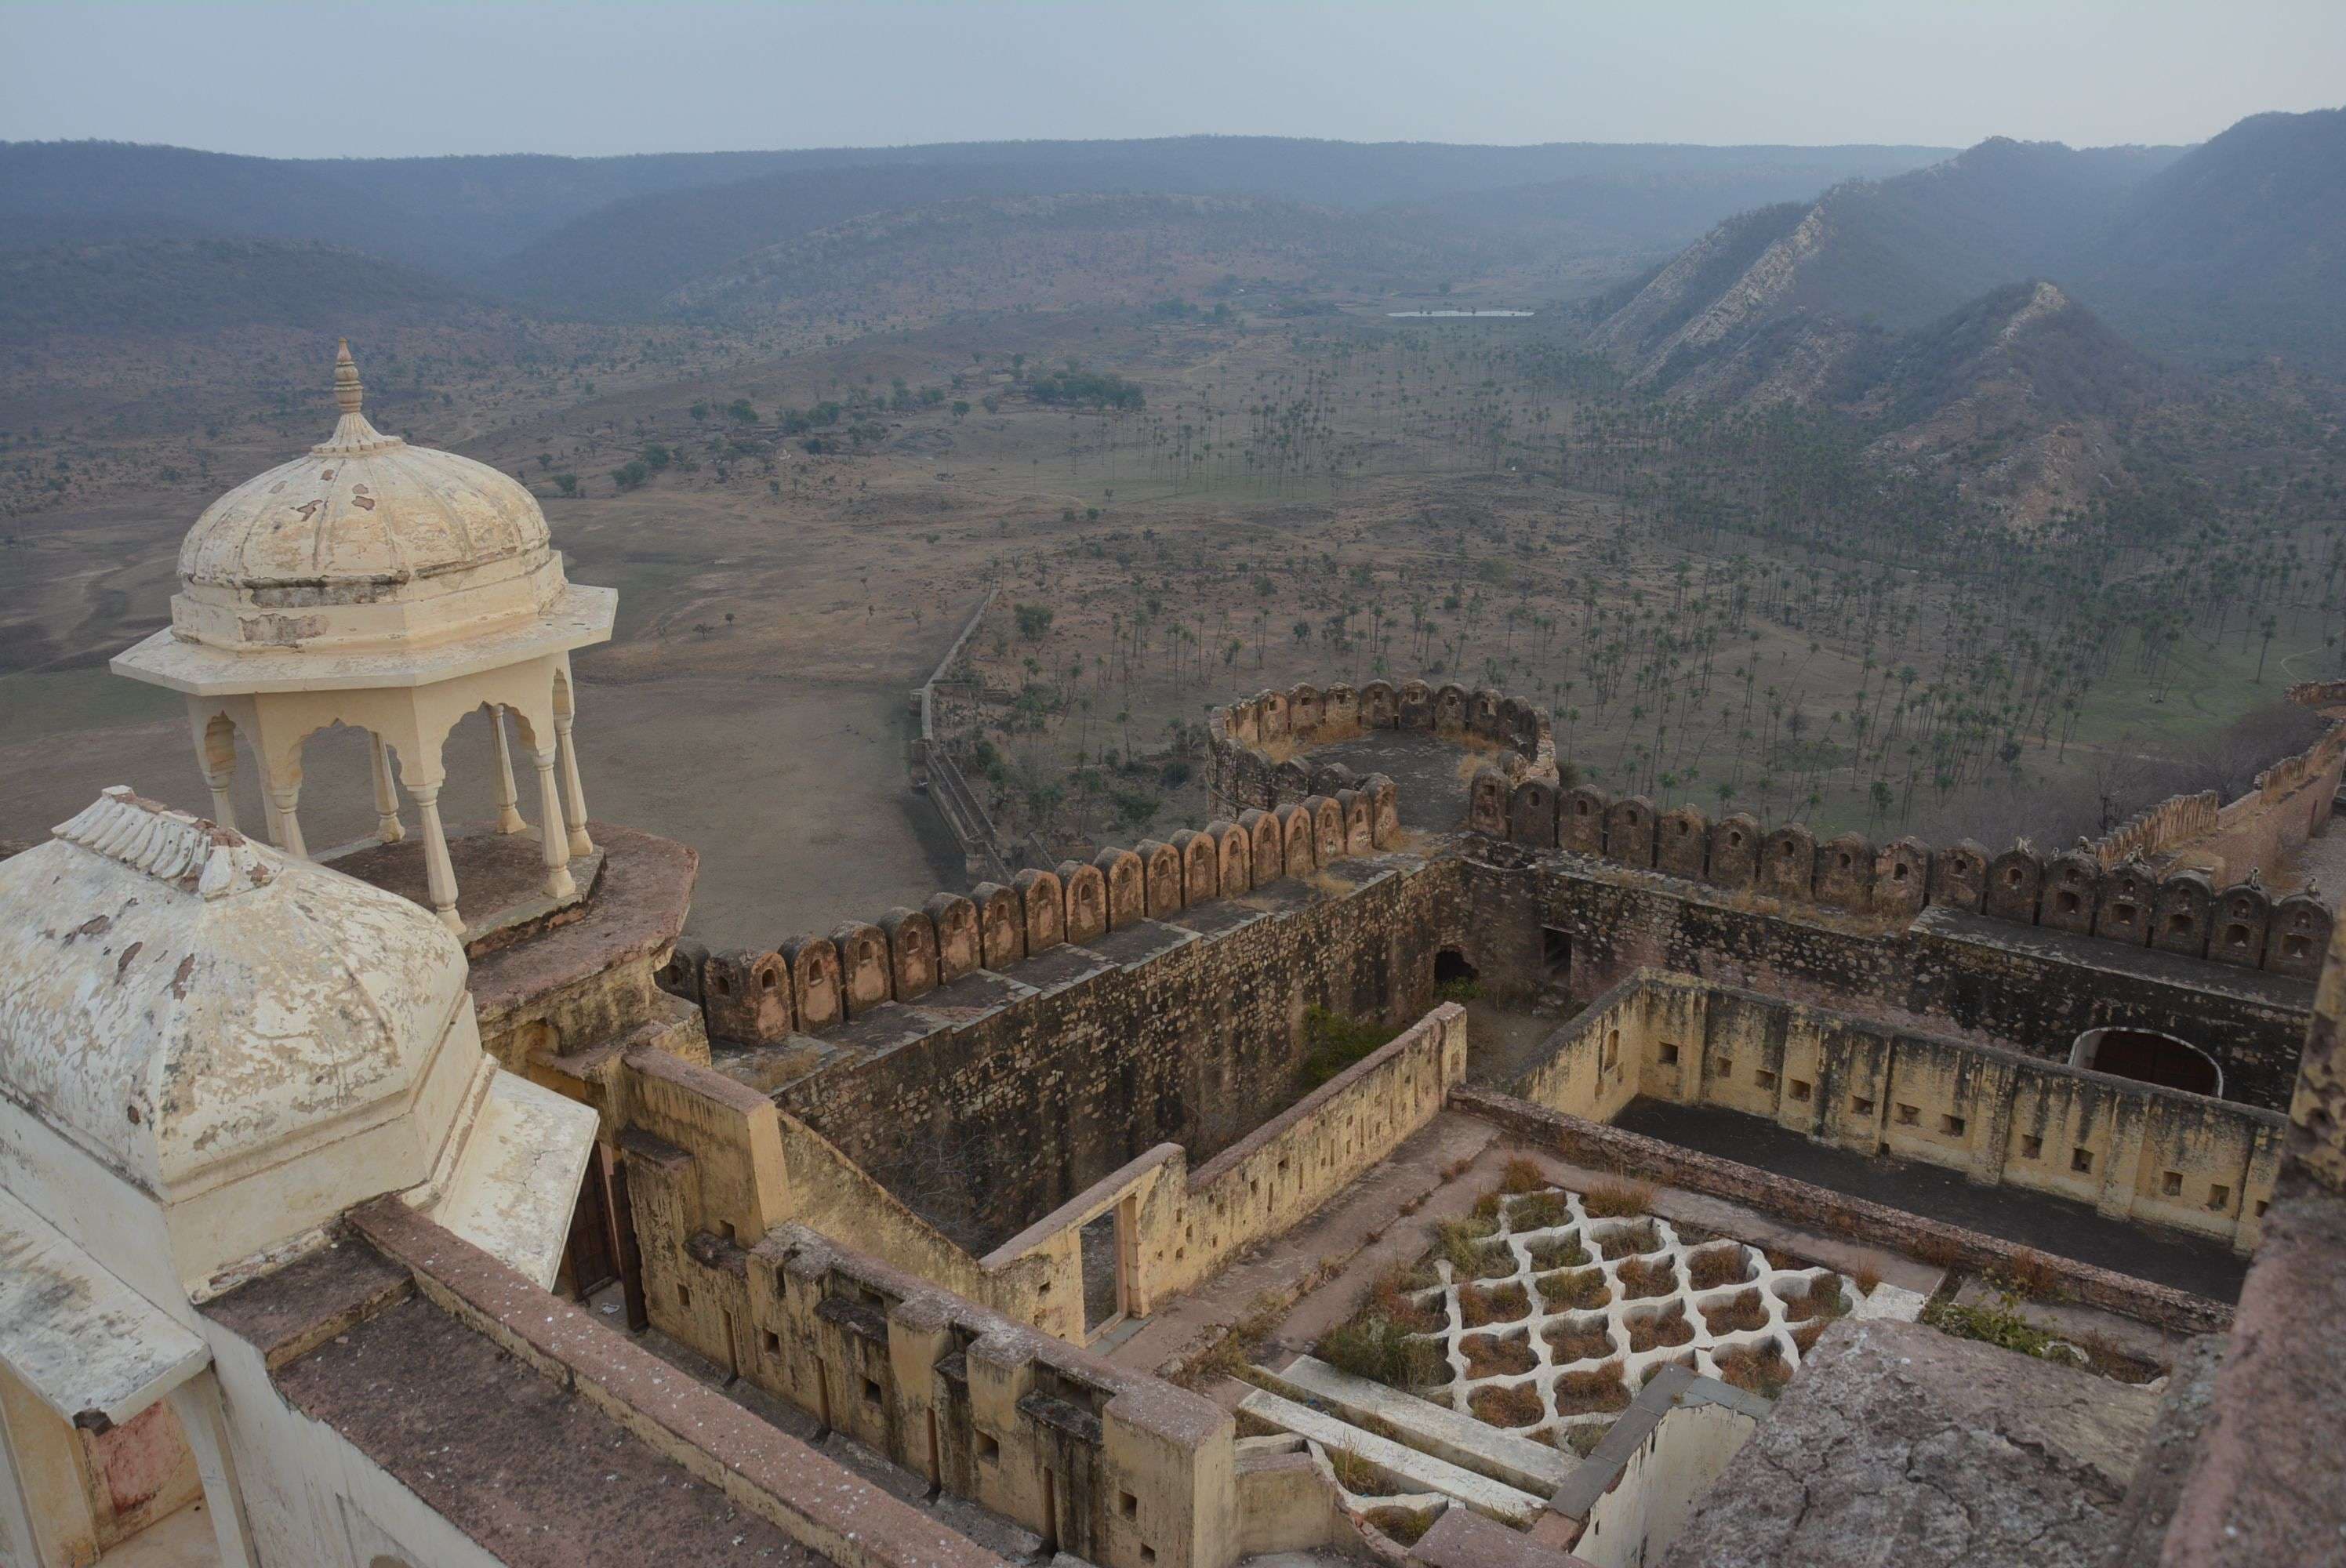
592, 1258
1556, 952
1450, 964
1102, 1259
2149, 1056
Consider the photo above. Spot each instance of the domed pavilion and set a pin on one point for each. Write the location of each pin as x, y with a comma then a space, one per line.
396, 589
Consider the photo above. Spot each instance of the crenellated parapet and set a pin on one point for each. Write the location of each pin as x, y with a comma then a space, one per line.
2182, 911
1256, 746
811, 984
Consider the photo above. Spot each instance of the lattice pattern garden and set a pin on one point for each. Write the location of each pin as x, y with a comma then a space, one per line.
1551, 1322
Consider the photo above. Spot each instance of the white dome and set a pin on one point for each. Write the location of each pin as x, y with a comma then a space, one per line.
188, 1007
365, 542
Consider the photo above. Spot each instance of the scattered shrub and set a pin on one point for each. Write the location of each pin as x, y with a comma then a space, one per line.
1586, 1340
1372, 1345
1761, 1369
1628, 1240
1558, 1252
1405, 1526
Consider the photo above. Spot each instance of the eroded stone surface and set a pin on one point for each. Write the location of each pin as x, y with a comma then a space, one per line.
1899, 1444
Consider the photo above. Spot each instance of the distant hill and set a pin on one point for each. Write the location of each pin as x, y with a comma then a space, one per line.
1766, 302
179, 286
1087, 248
2236, 251
470, 217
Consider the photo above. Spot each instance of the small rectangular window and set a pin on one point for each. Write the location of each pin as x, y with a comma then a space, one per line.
2220, 1197
774, 1343
1951, 1126
1127, 1505
2032, 1147
988, 1449
1859, 1105
2082, 1160
1910, 1116
872, 1390
2260, 1208
1802, 1089
2170, 1183
1765, 1079
1722, 1067
684, 1296
1669, 1054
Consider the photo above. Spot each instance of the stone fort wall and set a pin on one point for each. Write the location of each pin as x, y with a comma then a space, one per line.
1252, 745
2079, 891
1549, 919
1153, 995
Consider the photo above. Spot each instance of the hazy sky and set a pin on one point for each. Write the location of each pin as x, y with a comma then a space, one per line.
434, 77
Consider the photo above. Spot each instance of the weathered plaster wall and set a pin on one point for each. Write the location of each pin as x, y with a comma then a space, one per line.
1946, 970
2135, 1151
715, 1165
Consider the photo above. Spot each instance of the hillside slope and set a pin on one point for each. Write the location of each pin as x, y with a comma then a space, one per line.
2236, 251
2023, 398
1767, 303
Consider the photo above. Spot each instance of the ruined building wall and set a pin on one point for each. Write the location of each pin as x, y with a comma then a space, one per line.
1193, 1046
1553, 921
2135, 1151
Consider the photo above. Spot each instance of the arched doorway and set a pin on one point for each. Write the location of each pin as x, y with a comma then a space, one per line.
2149, 1056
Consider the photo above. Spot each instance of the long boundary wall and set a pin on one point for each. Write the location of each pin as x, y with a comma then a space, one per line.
2078, 890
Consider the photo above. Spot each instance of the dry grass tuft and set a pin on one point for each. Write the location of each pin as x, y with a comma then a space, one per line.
1657, 1330
1640, 1278
1522, 1176
1482, 1304
1739, 1312
1578, 1290
1617, 1199
1516, 1405
1715, 1265
1497, 1355
1599, 1388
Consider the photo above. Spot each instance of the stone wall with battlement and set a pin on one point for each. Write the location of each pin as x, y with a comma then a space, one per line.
1255, 747
1555, 922
2183, 911
1168, 983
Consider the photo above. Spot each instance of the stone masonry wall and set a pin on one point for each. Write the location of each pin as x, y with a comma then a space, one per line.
1553, 921
1252, 746
2107, 891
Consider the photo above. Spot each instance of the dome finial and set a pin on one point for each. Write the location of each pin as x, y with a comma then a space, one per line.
348, 391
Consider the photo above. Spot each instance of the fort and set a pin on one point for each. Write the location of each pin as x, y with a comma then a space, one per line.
1433, 1158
